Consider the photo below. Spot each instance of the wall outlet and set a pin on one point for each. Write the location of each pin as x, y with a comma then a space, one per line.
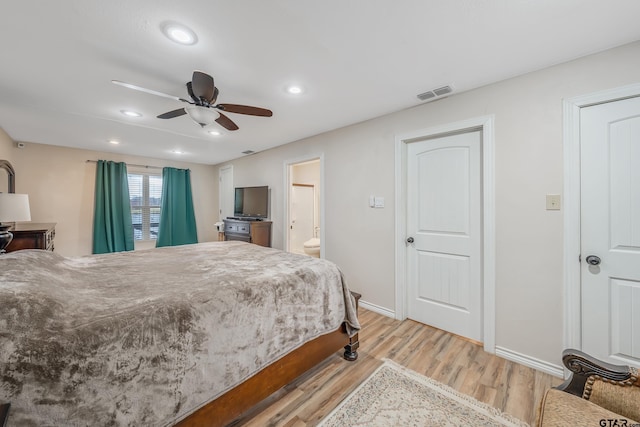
553, 202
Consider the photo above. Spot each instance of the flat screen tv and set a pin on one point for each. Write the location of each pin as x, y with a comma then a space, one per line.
251, 202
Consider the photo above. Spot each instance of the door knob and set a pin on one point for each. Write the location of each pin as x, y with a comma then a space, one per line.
410, 240
593, 260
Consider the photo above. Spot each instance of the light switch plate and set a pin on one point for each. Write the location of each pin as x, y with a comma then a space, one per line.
553, 202
378, 202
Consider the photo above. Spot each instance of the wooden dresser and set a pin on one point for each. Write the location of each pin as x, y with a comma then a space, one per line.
258, 232
32, 235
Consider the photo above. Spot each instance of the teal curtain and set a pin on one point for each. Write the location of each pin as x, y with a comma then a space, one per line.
112, 229
177, 218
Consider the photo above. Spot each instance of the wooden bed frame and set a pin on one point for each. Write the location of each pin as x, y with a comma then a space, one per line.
231, 405
4, 413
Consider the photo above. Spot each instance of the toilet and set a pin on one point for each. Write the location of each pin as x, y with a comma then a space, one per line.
312, 247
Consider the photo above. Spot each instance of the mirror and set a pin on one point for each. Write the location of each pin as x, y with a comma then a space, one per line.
11, 175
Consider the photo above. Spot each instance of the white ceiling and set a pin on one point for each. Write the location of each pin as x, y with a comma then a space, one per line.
356, 59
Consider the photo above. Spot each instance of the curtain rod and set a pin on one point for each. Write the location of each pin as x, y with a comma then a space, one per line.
132, 164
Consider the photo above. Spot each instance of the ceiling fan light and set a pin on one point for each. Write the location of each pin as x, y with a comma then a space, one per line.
202, 115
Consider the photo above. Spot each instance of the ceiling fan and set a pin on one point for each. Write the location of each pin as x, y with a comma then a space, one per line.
202, 105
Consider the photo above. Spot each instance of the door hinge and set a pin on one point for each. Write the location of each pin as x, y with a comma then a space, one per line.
579, 257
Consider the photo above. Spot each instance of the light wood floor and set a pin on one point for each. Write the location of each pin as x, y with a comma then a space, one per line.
455, 361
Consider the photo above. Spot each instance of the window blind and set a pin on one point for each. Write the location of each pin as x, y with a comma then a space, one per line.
145, 191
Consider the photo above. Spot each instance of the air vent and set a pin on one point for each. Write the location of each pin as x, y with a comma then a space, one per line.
435, 93
248, 152
426, 95
443, 90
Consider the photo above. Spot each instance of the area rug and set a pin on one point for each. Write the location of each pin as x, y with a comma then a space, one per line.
396, 396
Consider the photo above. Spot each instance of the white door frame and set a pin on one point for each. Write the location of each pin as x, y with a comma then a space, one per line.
571, 152
485, 125
287, 185
220, 171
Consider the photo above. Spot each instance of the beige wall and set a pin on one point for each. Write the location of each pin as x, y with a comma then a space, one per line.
359, 161
60, 183
6, 145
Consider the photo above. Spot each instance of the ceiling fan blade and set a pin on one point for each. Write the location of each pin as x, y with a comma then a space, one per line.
190, 91
142, 89
202, 85
215, 95
171, 114
245, 109
226, 122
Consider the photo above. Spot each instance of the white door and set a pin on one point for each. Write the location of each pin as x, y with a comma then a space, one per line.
610, 211
444, 276
226, 192
302, 213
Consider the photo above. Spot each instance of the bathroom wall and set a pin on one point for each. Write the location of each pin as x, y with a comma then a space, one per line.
309, 173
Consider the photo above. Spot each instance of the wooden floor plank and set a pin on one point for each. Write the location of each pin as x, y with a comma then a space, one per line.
456, 361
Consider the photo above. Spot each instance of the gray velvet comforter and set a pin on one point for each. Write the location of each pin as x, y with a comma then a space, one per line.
147, 337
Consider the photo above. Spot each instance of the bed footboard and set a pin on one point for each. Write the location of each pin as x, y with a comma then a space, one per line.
350, 350
235, 402
231, 405
4, 413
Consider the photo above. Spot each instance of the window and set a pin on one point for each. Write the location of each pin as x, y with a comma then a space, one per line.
145, 191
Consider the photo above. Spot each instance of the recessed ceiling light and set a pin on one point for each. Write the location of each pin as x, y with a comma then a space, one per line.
215, 132
177, 152
179, 33
114, 142
130, 113
294, 90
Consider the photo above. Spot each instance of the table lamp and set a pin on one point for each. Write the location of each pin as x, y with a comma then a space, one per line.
13, 207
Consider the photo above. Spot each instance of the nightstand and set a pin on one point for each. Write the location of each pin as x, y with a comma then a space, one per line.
32, 235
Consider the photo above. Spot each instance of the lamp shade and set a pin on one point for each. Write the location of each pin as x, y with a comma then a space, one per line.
14, 207
202, 115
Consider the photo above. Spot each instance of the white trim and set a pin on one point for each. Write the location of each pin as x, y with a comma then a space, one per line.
531, 362
571, 152
400, 232
486, 124
377, 309
223, 168
287, 184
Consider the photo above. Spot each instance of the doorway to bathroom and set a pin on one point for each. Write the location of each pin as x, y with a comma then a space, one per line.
304, 230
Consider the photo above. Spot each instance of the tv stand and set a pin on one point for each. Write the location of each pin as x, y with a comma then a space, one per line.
242, 218
248, 230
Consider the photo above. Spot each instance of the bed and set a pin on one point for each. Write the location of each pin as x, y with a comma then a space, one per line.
188, 335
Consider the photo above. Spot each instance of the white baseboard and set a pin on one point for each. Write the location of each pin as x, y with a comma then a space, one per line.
532, 362
377, 309
514, 356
